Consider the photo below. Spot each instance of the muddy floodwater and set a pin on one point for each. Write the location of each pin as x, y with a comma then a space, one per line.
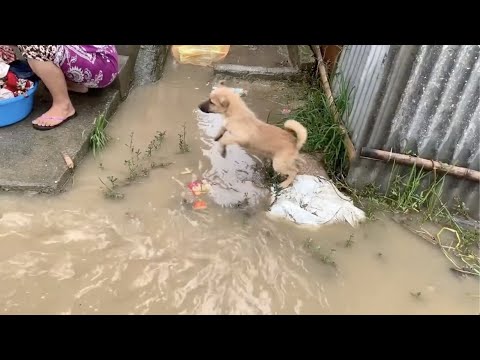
151, 253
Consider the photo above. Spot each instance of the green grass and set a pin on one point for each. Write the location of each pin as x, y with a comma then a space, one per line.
99, 137
325, 135
415, 192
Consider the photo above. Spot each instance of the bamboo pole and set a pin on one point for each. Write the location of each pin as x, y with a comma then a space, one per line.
328, 91
426, 164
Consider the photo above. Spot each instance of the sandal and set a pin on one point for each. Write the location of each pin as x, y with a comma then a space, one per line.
49, 127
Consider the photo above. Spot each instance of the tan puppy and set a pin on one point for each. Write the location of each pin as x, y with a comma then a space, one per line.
243, 128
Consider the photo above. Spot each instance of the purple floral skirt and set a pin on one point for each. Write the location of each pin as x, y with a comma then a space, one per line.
95, 66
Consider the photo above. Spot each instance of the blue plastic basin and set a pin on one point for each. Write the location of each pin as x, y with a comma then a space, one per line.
18, 108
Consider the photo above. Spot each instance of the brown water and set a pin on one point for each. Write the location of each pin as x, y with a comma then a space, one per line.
150, 253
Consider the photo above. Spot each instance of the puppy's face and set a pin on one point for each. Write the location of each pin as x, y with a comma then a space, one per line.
218, 102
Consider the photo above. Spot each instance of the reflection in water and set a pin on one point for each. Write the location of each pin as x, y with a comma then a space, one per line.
231, 177
80, 253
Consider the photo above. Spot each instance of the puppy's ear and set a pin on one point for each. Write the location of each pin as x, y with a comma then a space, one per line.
224, 102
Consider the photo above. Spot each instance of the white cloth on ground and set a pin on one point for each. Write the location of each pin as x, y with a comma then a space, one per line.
314, 201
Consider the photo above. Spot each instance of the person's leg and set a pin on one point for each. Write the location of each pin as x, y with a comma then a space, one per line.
76, 87
54, 79
41, 59
95, 66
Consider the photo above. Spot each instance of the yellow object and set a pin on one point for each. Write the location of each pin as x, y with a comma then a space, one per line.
203, 55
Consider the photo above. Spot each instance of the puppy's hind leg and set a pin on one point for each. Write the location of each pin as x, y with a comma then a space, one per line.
300, 161
289, 180
284, 167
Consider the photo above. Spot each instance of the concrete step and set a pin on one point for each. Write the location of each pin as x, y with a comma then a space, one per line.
127, 57
258, 72
271, 56
128, 50
125, 78
150, 62
266, 62
32, 160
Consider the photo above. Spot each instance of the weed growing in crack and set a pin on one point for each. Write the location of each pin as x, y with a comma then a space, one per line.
136, 164
139, 164
155, 165
109, 190
182, 141
316, 251
133, 164
349, 242
155, 143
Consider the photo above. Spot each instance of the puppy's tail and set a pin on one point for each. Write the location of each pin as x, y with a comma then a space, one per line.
299, 130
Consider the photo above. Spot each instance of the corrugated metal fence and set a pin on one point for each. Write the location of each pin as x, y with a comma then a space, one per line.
423, 99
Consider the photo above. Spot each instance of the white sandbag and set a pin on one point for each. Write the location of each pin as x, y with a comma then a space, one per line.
314, 201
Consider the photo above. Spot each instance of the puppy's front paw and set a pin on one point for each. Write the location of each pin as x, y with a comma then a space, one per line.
220, 134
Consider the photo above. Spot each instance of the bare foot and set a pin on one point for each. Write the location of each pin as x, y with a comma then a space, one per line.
78, 88
56, 115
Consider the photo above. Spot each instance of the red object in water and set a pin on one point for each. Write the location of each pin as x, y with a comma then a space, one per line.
198, 187
199, 205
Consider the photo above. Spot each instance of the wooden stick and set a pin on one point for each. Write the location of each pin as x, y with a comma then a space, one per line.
386, 156
328, 91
